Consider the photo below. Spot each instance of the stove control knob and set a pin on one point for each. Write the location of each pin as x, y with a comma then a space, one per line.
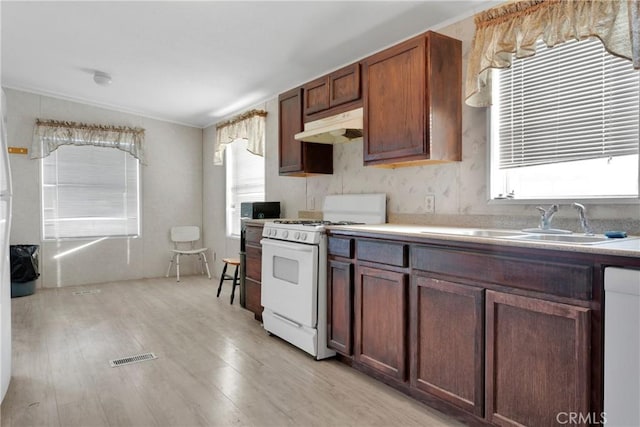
303, 236
297, 235
285, 234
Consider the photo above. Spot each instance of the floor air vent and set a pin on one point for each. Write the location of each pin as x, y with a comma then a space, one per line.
87, 292
132, 359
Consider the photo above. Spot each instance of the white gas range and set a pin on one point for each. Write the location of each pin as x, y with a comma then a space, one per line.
294, 270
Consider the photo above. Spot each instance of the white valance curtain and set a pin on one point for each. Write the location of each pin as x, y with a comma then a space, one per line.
250, 126
48, 135
515, 28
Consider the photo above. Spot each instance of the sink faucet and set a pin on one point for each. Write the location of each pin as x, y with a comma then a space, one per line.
546, 215
584, 222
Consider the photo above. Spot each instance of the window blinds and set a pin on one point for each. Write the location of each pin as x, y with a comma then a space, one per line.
245, 181
571, 102
89, 192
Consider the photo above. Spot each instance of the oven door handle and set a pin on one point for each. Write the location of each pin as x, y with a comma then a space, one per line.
289, 321
300, 247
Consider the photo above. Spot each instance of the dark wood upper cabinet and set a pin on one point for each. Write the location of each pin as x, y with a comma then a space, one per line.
299, 158
316, 95
412, 98
328, 95
290, 116
344, 85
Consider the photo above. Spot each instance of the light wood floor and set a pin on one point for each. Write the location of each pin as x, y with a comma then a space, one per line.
215, 366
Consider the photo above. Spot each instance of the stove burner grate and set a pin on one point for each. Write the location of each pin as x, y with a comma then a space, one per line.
314, 222
297, 221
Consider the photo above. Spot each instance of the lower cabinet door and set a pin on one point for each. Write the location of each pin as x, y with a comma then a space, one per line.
253, 264
538, 358
340, 306
253, 292
380, 321
447, 341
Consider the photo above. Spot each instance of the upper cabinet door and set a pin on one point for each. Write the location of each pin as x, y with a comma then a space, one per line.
290, 116
330, 91
316, 95
394, 102
344, 85
413, 102
299, 158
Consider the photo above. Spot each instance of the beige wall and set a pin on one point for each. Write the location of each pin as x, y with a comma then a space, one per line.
171, 187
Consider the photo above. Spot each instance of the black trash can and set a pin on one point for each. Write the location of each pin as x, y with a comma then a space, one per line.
24, 269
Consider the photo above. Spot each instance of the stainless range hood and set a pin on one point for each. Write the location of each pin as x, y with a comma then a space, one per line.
343, 127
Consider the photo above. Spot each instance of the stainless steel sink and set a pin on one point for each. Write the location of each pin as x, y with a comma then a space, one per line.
567, 239
547, 231
492, 233
563, 238
476, 232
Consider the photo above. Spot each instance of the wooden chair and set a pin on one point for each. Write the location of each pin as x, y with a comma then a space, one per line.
224, 276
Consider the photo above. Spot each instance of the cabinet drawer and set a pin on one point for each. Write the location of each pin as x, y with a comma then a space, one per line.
565, 280
254, 262
388, 253
253, 234
341, 247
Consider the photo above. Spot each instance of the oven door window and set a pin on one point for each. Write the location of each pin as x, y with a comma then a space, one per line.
286, 269
290, 280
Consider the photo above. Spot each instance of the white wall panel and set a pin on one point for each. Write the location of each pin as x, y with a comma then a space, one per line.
171, 193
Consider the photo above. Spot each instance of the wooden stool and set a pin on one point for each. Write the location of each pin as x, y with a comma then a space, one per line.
224, 276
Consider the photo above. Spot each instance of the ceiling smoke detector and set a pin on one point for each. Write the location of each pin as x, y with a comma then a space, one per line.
102, 78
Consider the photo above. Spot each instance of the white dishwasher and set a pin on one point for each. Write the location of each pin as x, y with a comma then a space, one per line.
622, 347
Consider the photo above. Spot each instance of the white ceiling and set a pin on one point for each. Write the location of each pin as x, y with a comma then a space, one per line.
197, 62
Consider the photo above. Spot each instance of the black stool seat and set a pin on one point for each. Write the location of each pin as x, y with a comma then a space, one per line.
224, 276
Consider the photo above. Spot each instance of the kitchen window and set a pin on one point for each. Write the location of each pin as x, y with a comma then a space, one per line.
565, 125
89, 192
245, 181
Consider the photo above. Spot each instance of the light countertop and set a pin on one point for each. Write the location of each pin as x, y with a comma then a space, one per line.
629, 247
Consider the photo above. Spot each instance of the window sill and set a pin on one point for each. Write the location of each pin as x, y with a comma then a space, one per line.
84, 239
585, 201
